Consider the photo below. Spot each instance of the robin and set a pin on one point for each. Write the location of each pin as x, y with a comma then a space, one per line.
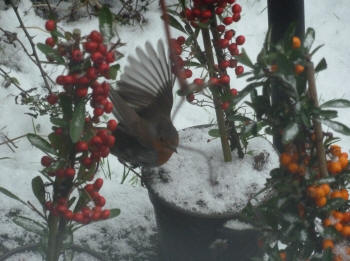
142, 104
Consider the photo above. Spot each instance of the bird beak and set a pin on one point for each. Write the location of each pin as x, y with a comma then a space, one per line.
172, 147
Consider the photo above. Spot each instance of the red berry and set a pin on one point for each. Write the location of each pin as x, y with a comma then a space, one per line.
86, 161
60, 173
104, 151
52, 98
198, 81
102, 49
231, 1
225, 79
78, 217
236, 17
97, 57
108, 107
90, 46
112, 125
81, 146
206, 14
50, 42
214, 81
100, 201
234, 92
58, 131
236, 9
89, 188
224, 64
98, 112
83, 81
223, 43
77, 55
69, 172
188, 14
190, 97
220, 28
225, 105
219, 10
62, 201
60, 80
61, 208
95, 37
110, 58
69, 79
50, 25
96, 215
91, 73
227, 20
81, 92
240, 40
188, 73
110, 141
96, 140
103, 134
229, 34
98, 184
180, 40
104, 68
46, 161
105, 214
48, 205
239, 70
86, 211
68, 214
233, 63
196, 12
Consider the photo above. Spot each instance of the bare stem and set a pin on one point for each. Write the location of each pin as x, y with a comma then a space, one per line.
321, 153
7, 76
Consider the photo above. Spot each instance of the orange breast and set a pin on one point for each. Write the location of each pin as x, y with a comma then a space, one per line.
163, 153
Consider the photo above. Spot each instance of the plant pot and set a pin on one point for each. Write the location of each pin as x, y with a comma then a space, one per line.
192, 229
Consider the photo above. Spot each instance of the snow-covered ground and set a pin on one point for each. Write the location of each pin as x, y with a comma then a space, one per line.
131, 236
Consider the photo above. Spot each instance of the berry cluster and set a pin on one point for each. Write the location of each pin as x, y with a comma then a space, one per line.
87, 59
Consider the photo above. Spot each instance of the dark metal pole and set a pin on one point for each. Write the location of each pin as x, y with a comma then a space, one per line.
281, 14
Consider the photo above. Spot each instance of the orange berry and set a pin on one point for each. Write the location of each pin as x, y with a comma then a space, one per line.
336, 194
334, 167
326, 188
335, 150
338, 215
344, 154
337, 258
301, 170
346, 217
320, 202
298, 69
293, 168
347, 250
273, 68
338, 226
296, 42
346, 231
345, 194
320, 192
343, 162
327, 222
283, 255
312, 191
327, 243
285, 159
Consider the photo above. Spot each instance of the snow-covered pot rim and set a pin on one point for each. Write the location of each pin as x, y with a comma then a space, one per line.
146, 172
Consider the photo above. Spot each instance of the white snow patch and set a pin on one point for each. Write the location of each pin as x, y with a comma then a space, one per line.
235, 224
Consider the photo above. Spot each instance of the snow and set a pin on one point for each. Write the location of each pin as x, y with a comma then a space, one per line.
133, 232
185, 180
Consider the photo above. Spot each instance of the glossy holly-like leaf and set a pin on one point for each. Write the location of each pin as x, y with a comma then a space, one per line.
336, 103
337, 126
113, 71
176, 24
214, 133
243, 58
322, 65
309, 38
29, 225
78, 121
59, 122
290, 132
50, 52
40, 143
105, 19
11, 195
39, 189
114, 213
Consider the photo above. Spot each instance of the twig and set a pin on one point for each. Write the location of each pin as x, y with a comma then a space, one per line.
15, 9
7, 76
11, 140
8, 145
321, 153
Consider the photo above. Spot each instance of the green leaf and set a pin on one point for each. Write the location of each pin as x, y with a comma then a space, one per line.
11, 195
290, 132
176, 24
29, 225
40, 143
336, 103
214, 133
114, 213
337, 126
245, 91
194, 64
39, 189
334, 203
316, 49
59, 122
309, 38
48, 51
322, 65
67, 107
243, 58
84, 198
113, 71
105, 19
78, 121
328, 114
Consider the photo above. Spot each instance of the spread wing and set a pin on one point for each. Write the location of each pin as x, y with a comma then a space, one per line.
147, 80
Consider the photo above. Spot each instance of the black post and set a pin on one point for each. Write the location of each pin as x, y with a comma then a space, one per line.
281, 14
